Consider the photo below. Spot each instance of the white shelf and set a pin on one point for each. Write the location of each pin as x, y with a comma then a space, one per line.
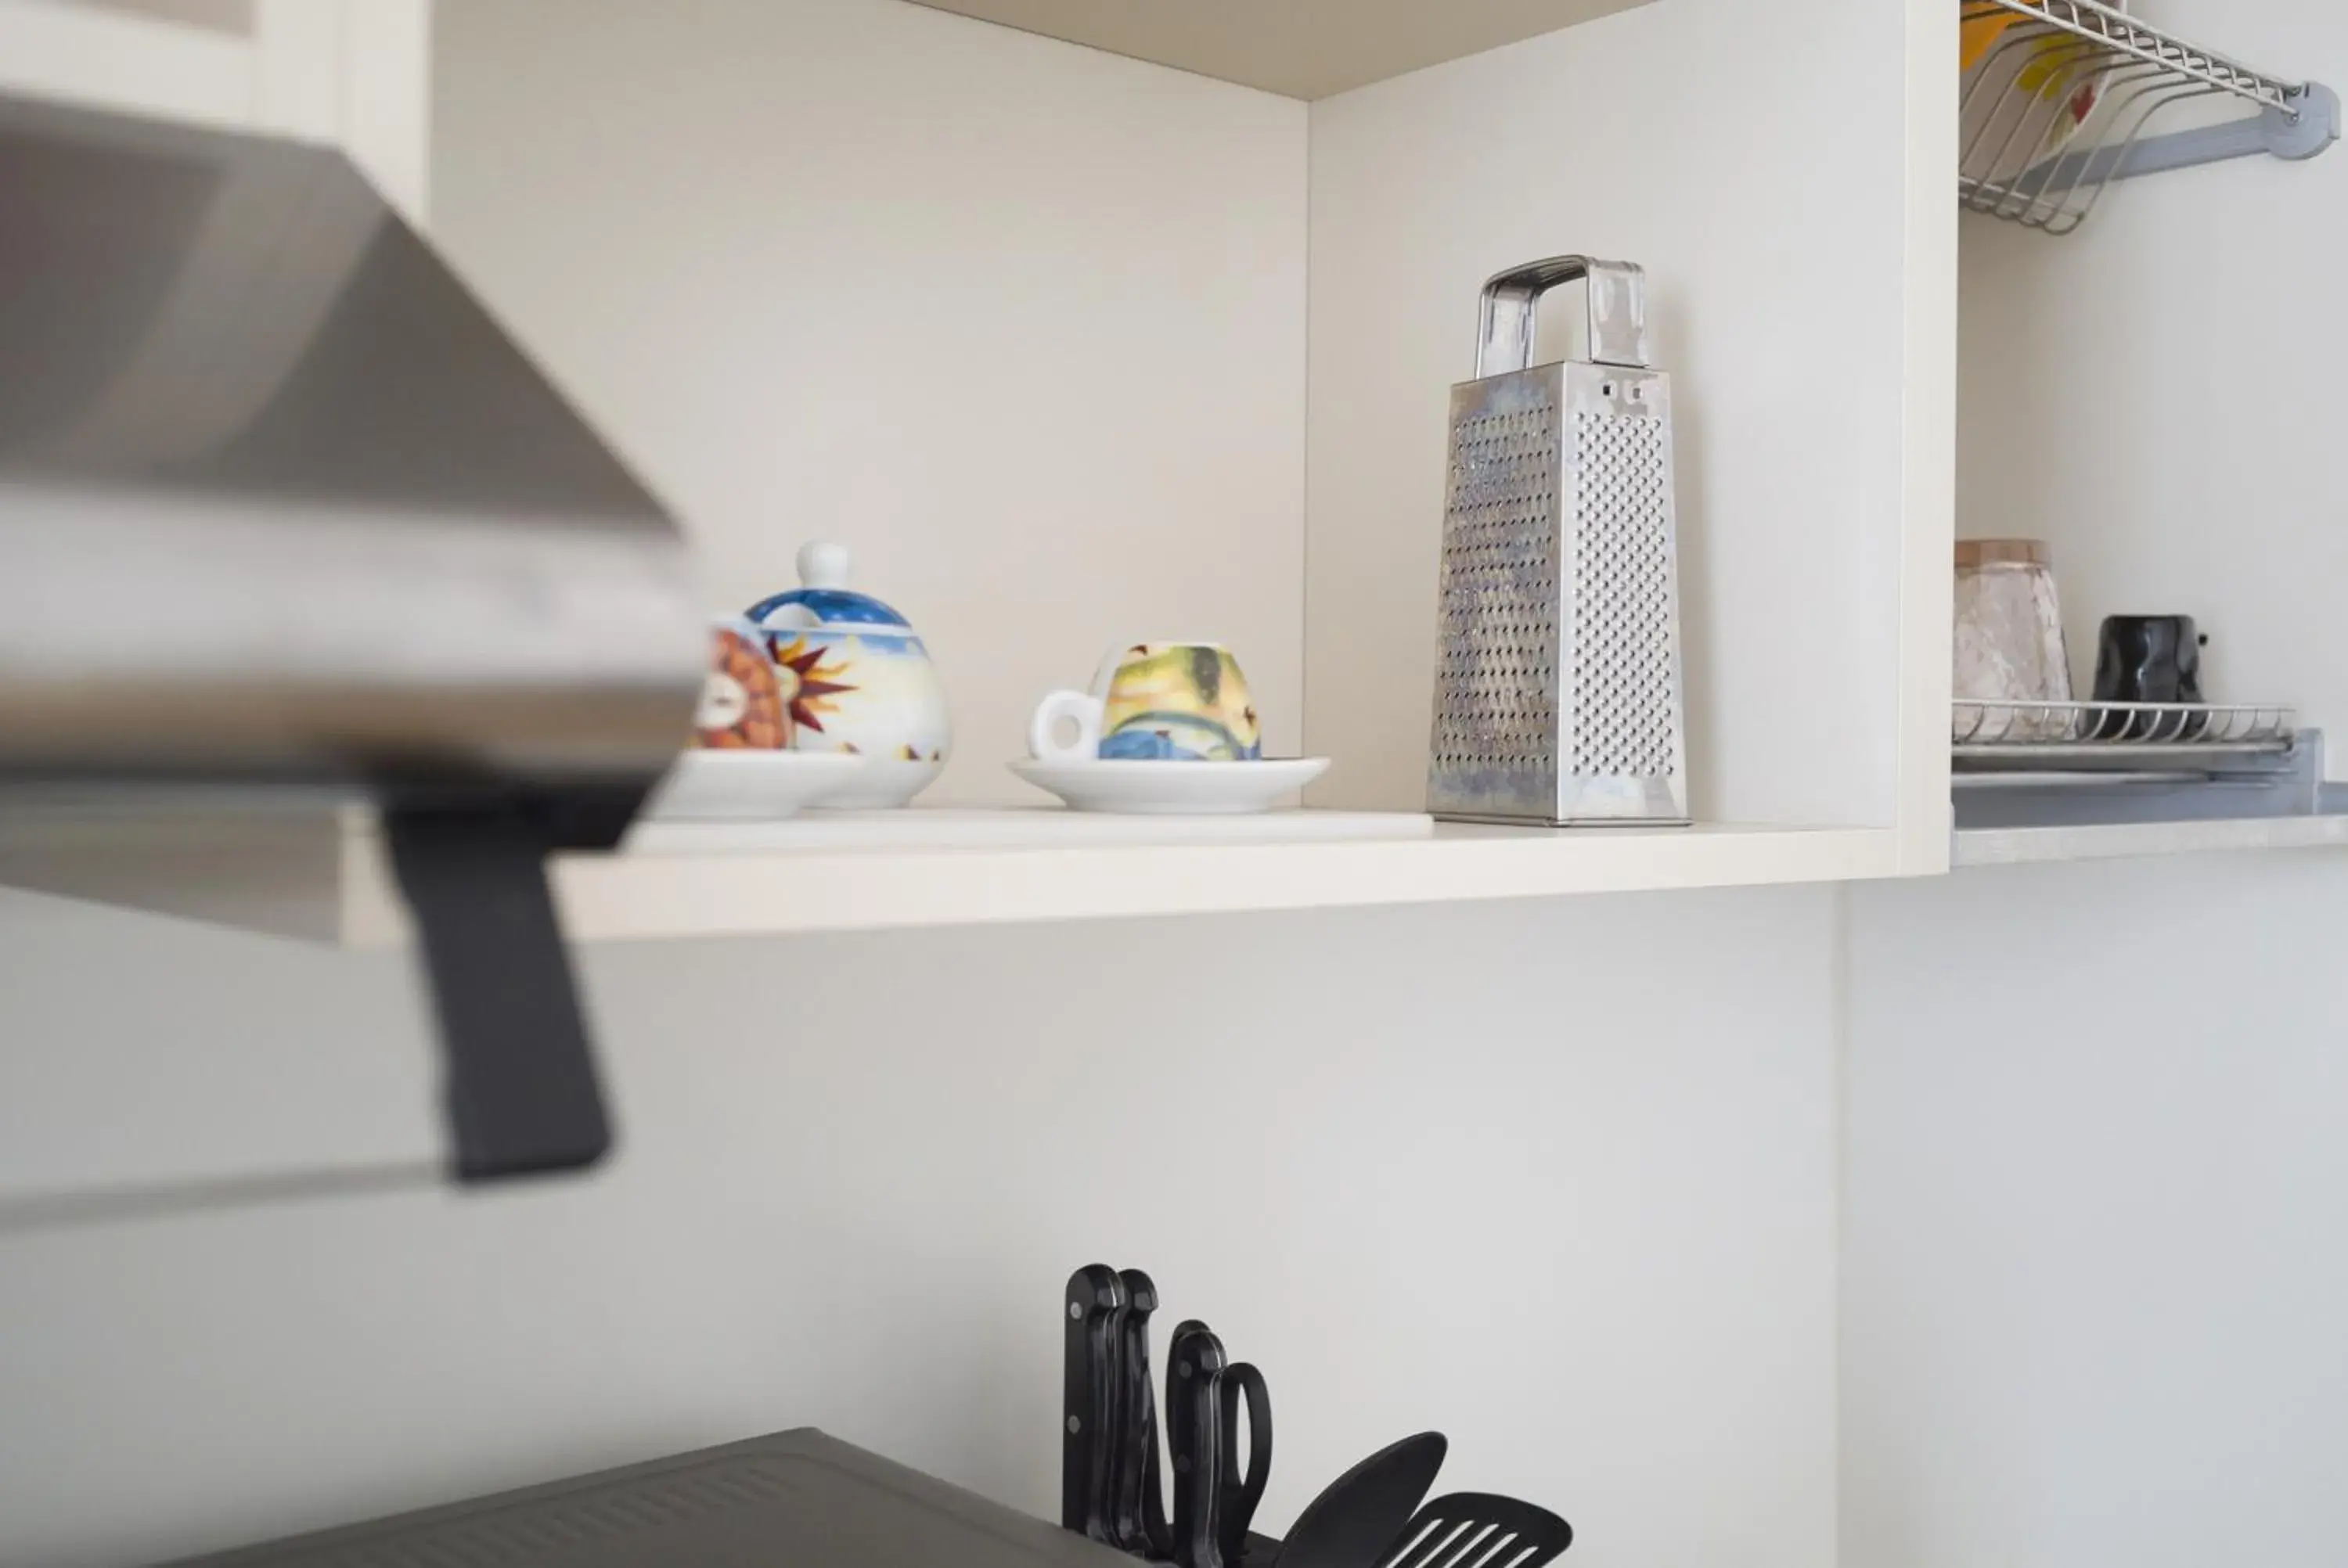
1302, 48
319, 874
2107, 841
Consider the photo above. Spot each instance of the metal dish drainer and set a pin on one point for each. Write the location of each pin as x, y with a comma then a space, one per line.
2089, 737
2070, 764
2108, 76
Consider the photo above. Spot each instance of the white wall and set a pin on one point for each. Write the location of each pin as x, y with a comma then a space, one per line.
2095, 1192
1500, 1169
1495, 1169
990, 309
1773, 237
2092, 1277
1570, 1166
2159, 394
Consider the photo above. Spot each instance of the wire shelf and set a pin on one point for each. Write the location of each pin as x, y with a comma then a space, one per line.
2059, 96
2087, 736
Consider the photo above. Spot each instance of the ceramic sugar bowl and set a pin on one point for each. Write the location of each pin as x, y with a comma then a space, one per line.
856, 679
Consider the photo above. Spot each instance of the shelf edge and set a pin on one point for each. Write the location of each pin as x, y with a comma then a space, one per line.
1977, 847
627, 897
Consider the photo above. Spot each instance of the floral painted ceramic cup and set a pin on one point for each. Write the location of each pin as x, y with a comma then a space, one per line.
741, 704
1166, 701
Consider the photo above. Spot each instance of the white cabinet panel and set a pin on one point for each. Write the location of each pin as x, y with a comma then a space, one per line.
108, 59
355, 73
1800, 249
1304, 48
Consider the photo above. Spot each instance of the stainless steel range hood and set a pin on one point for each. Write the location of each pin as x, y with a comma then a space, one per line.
281, 505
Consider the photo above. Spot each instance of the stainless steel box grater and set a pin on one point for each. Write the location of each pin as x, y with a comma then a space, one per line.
1558, 694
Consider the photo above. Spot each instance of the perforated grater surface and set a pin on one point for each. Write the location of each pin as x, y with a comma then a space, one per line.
1558, 696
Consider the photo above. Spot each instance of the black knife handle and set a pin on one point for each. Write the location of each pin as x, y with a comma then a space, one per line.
1111, 1426
1236, 1504
1194, 1426
1087, 1393
1137, 1504
1156, 1528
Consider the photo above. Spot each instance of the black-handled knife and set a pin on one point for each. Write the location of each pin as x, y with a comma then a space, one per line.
1088, 1426
1137, 1512
1112, 1413
1194, 1427
1237, 1495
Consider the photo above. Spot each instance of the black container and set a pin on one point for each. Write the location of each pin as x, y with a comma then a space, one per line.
2147, 659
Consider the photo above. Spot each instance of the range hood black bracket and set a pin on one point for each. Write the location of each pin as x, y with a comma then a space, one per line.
401, 567
520, 1086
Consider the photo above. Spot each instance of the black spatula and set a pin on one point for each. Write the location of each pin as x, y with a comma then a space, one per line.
1358, 1517
1477, 1529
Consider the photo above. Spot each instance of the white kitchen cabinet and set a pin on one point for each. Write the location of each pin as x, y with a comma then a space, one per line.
1076, 349
2150, 394
353, 73
1183, 348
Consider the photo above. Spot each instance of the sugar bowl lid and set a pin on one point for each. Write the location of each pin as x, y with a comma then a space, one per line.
823, 601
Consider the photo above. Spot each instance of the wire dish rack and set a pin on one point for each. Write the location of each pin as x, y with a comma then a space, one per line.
2092, 737
2059, 94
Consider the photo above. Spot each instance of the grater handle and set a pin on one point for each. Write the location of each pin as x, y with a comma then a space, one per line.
1618, 313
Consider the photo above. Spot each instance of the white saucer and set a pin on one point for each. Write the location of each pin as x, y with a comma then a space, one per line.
881, 781
749, 787
1162, 788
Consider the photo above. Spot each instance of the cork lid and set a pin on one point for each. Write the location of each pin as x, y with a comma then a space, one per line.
1974, 553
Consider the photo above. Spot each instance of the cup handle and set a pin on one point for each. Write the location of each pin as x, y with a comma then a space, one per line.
1084, 708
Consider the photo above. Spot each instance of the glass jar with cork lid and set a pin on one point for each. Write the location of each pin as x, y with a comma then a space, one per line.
2008, 637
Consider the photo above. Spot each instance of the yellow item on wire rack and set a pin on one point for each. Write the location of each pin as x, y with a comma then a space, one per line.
1977, 32
2057, 67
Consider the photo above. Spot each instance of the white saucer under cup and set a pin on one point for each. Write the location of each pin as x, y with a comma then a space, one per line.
1183, 788
750, 785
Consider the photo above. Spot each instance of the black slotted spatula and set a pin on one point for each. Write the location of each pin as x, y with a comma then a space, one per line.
1479, 1530
1359, 1517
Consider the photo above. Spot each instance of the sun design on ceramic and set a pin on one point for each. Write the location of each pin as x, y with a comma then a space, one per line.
807, 683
